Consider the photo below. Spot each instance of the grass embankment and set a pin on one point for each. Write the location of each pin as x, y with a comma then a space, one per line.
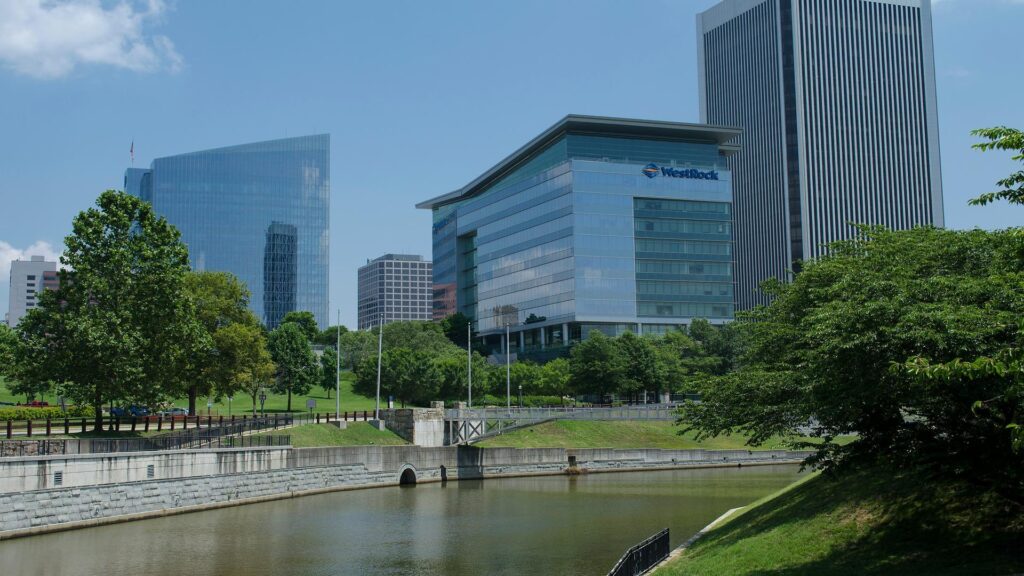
866, 522
617, 434
357, 434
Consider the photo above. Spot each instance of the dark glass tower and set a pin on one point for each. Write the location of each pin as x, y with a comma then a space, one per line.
259, 211
836, 99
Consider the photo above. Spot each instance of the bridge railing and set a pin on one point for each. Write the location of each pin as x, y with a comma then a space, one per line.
631, 412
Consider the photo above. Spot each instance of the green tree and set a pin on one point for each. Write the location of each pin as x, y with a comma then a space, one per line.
220, 299
297, 368
1003, 138
356, 346
555, 377
306, 321
848, 347
641, 370
244, 361
526, 374
17, 382
121, 326
328, 371
329, 337
455, 328
596, 366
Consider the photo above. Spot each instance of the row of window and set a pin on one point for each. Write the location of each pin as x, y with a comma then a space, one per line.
685, 309
683, 247
682, 226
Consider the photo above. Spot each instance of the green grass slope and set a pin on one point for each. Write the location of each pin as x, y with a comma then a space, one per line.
357, 434
867, 522
615, 434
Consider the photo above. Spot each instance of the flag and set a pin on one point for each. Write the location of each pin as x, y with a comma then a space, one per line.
131, 152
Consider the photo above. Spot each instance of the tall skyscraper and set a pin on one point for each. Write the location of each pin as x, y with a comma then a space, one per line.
395, 287
597, 224
259, 211
28, 279
836, 99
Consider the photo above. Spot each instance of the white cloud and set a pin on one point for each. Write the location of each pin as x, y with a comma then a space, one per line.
49, 38
9, 254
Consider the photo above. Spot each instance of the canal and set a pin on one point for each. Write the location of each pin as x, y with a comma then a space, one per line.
539, 525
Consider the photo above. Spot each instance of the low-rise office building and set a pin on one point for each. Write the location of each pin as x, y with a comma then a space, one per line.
597, 224
394, 287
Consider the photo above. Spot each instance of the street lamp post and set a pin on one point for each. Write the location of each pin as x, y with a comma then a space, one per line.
508, 369
469, 361
380, 348
337, 369
520, 396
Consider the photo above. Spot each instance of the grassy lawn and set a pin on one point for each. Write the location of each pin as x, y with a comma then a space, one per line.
615, 434
357, 434
867, 522
242, 404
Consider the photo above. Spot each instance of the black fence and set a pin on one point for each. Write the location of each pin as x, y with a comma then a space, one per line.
145, 424
643, 556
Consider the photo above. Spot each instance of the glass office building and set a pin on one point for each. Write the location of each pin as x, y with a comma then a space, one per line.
259, 211
597, 224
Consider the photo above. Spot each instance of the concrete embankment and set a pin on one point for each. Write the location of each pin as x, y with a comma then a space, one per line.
51, 493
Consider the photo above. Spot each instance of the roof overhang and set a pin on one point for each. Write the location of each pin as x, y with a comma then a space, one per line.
724, 136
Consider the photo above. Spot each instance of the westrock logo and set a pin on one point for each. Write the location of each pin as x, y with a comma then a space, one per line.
652, 170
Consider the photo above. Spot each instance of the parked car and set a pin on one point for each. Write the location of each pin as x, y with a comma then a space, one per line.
173, 412
120, 412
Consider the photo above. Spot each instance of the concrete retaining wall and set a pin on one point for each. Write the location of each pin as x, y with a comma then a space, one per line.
118, 487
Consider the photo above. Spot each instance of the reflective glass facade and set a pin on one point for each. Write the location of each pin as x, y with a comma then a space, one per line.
259, 211
590, 231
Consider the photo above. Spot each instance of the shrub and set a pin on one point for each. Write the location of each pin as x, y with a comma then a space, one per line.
42, 413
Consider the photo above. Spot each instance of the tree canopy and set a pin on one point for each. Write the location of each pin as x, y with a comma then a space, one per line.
845, 348
297, 367
120, 327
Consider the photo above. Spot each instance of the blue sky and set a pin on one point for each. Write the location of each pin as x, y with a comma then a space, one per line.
419, 98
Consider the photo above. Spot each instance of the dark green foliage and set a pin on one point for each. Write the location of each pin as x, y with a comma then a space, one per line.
596, 366
329, 337
121, 327
834, 346
329, 371
454, 327
297, 367
306, 322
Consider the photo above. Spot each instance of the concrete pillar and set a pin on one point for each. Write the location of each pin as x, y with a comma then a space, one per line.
543, 337
522, 344
565, 334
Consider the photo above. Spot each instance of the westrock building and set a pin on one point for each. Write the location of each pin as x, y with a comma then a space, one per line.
598, 223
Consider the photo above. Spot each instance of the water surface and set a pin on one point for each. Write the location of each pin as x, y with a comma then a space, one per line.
540, 525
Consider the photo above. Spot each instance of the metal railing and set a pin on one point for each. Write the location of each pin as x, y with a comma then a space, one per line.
644, 556
629, 412
66, 426
472, 424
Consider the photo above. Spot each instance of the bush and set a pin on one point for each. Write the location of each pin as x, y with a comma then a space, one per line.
42, 413
528, 401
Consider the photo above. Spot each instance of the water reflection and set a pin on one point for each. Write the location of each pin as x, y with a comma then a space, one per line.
538, 525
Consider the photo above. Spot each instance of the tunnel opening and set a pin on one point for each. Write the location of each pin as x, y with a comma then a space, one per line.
408, 478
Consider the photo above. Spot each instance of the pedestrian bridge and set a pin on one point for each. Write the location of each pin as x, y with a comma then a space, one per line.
469, 425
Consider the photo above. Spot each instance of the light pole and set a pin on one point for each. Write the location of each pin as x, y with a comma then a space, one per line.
469, 360
380, 348
337, 369
508, 368
520, 396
